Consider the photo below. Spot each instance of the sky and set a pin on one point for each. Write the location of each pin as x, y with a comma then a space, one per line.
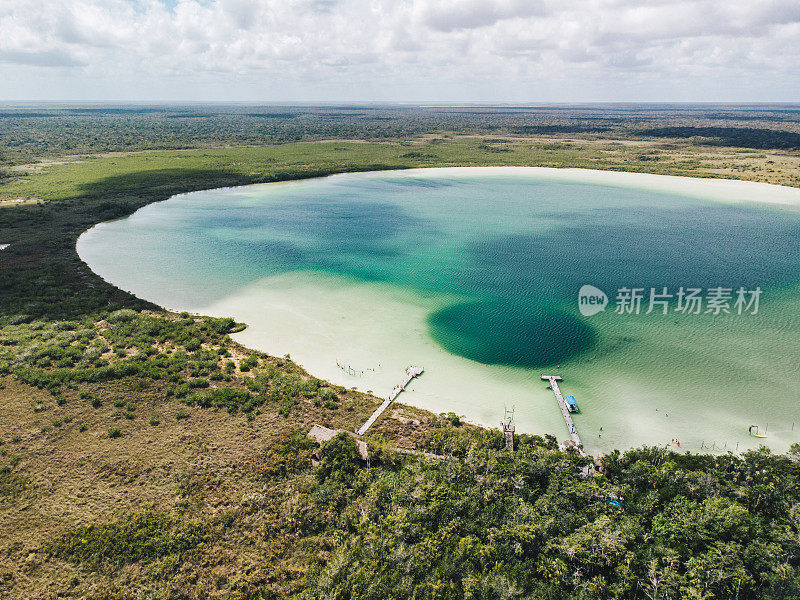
495, 51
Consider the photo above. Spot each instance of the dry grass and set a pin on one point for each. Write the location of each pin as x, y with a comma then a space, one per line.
197, 465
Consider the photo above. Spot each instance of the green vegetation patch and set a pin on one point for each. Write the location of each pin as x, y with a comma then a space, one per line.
143, 536
11, 484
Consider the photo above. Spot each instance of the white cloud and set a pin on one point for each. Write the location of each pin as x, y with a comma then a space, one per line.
452, 15
515, 50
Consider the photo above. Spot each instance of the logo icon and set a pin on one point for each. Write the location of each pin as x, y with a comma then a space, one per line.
591, 300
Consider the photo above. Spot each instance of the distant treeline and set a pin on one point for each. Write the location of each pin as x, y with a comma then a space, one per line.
738, 137
34, 131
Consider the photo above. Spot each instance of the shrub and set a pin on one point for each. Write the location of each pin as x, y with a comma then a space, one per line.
329, 395
193, 344
182, 414
339, 459
290, 454
154, 420
114, 432
250, 362
221, 325
144, 536
286, 406
124, 315
229, 398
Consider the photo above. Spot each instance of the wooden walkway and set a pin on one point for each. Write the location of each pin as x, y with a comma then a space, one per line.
411, 372
573, 433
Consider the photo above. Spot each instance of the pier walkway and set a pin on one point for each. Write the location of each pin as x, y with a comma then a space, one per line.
411, 372
573, 433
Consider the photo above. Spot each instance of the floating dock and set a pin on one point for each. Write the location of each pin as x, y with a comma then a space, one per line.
411, 372
562, 404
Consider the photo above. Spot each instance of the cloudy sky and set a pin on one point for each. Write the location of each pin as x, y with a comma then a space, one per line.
400, 50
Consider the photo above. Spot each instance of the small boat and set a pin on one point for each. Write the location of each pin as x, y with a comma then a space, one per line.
572, 404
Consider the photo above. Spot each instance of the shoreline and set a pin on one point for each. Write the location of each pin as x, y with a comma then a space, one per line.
710, 188
245, 308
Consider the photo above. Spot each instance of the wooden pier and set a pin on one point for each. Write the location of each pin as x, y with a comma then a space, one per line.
411, 372
573, 433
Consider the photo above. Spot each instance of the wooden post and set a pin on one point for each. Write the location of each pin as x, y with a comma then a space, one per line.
508, 434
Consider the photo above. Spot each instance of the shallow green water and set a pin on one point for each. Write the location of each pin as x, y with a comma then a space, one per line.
498, 261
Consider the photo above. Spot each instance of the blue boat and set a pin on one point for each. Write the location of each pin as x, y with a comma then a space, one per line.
572, 404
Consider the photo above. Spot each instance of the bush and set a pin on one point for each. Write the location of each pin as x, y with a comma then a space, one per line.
290, 454
182, 414
222, 325
193, 344
339, 459
229, 398
142, 536
114, 432
124, 315
154, 420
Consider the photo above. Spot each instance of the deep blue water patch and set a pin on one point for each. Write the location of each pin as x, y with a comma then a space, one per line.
514, 334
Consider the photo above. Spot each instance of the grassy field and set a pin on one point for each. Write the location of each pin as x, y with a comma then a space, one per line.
186, 450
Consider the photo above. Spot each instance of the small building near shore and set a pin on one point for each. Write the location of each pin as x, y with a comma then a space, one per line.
567, 445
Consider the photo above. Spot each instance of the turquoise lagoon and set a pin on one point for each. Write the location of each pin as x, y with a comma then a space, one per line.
474, 274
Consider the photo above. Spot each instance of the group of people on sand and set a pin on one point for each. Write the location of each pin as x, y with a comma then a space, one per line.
351, 371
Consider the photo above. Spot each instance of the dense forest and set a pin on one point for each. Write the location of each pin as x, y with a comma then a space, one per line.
29, 132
